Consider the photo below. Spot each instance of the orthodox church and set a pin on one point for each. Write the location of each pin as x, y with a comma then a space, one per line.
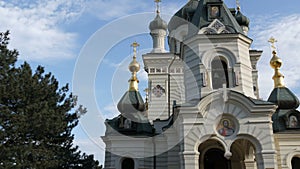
202, 109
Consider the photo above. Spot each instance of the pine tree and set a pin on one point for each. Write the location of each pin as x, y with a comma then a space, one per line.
36, 118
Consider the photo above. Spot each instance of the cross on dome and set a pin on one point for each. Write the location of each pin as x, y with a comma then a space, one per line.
157, 5
238, 5
134, 45
272, 40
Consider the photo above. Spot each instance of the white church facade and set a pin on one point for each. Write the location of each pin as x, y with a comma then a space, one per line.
203, 109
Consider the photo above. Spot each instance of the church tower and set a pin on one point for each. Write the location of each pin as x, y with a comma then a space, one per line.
165, 72
214, 47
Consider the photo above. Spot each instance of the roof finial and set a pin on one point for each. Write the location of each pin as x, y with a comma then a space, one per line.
238, 5
272, 40
134, 45
134, 67
276, 64
157, 6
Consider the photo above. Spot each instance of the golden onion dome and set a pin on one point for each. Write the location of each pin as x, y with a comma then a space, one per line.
275, 62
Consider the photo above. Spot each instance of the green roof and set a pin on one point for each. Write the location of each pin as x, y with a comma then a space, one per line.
131, 102
197, 13
287, 104
284, 98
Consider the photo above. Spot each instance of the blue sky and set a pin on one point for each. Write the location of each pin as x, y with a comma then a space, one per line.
87, 43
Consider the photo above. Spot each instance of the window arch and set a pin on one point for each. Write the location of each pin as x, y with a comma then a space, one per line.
219, 72
127, 163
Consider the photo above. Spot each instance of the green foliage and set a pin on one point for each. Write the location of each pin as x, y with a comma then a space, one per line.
36, 118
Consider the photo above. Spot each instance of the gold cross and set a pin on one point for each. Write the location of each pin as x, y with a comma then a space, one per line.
272, 40
157, 5
238, 5
135, 45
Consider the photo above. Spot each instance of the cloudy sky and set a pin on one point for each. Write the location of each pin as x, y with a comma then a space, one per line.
87, 43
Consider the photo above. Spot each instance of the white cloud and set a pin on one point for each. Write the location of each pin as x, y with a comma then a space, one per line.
35, 29
287, 31
37, 26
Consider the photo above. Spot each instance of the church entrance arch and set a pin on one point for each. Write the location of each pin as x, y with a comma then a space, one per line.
244, 155
128, 163
212, 156
214, 159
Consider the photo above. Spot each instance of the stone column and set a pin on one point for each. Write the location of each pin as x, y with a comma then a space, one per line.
267, 159
189, 160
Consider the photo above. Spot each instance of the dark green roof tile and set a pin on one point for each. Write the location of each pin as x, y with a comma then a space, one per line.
131, 102
284, 98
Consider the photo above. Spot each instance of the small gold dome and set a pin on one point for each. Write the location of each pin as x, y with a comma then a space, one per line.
275, 62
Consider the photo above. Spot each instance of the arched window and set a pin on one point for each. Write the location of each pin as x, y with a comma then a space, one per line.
128, 163
219, 73
295, 163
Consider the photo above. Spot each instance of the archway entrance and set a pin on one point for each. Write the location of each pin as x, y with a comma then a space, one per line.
295, 163
242, 155
128, 163
212, 156
214, 159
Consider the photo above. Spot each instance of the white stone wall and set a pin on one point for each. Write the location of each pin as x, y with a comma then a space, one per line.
199, 52
287, 146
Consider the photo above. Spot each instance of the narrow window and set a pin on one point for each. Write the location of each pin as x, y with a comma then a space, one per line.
219, 73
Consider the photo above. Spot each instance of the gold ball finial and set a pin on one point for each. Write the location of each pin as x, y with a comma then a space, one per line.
134, 66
